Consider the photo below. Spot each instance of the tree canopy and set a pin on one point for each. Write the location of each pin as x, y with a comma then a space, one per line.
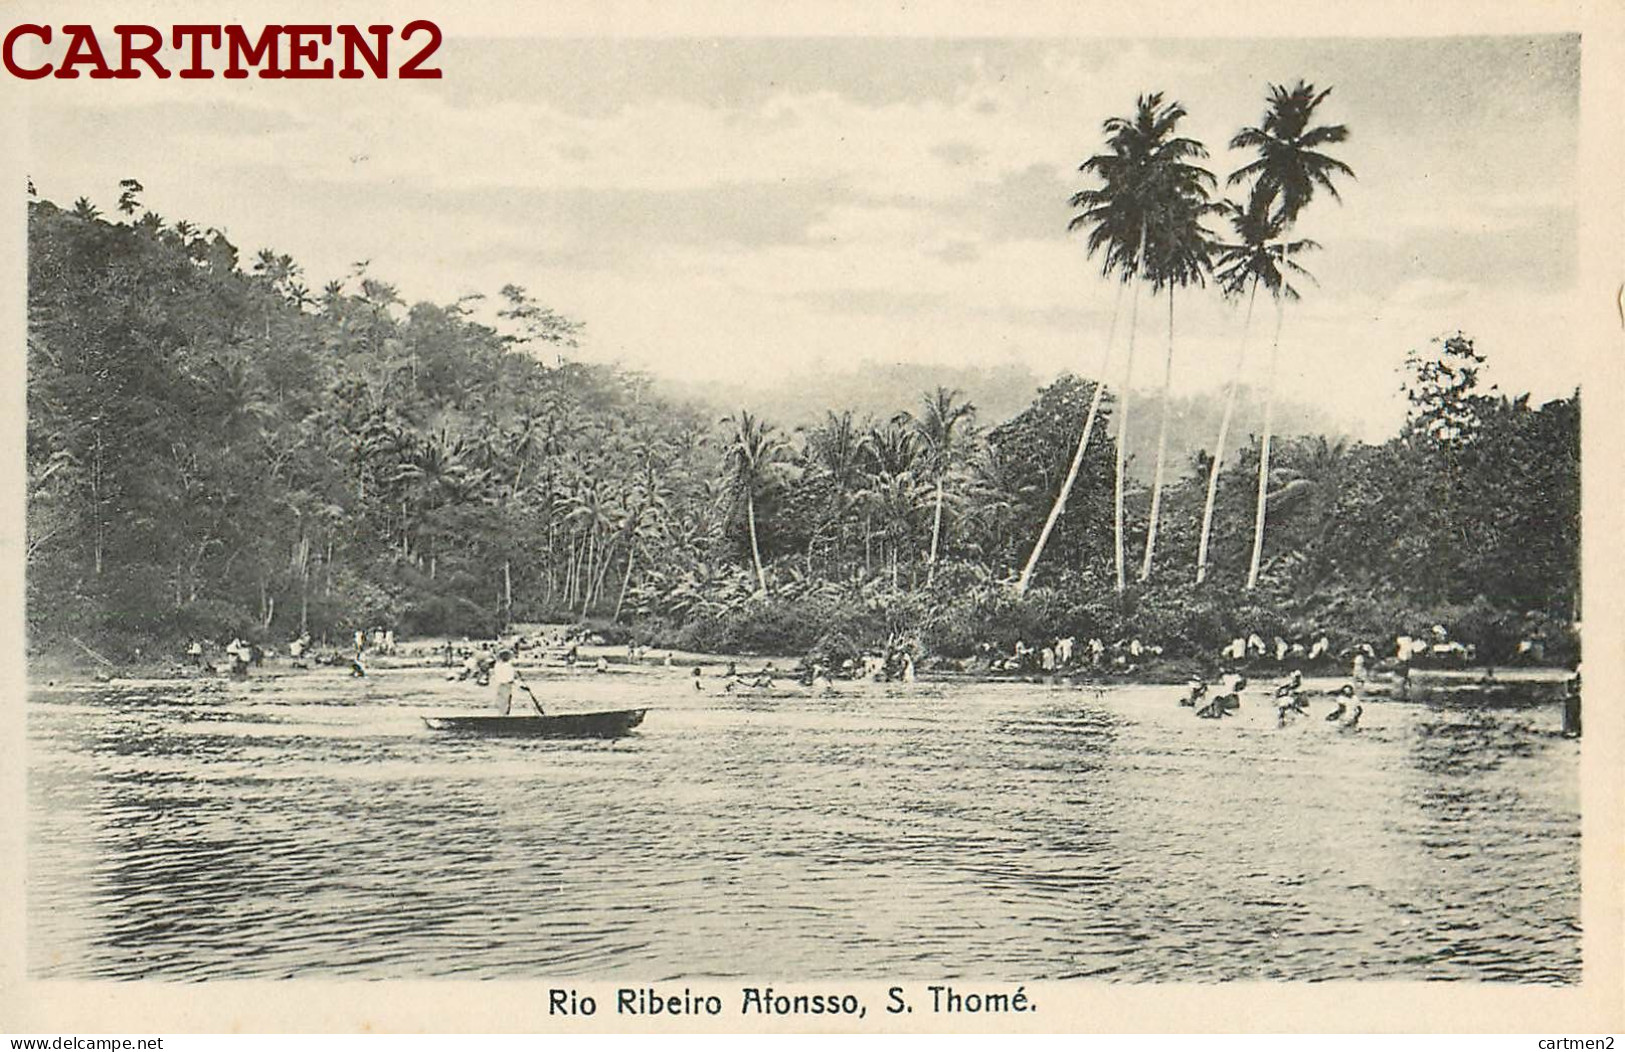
215, 450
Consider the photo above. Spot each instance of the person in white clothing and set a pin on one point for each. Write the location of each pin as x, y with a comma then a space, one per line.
505, 677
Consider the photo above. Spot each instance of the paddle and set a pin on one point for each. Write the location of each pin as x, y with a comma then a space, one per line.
533, 700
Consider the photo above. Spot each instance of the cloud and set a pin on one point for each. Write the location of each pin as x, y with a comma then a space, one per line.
958, 153
712, 207
1538, 250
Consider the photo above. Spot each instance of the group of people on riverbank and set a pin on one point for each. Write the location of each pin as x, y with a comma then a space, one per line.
1066, 654
379, 641
1434, 648
1214, 692
240, 655
1252, 648
243, 654
1255, 652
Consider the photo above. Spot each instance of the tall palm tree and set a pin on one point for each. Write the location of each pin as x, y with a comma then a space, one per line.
1288, 172
893, 498
592, 512
1077, 454
835, 445
753, 455
437, 472
835, 452
888, 454
1258, 256
938, 428
1144, 220
1178, 254
646, 513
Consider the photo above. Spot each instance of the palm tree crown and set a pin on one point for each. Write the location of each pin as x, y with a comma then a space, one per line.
889, 449
1146, 215
835, 447
1289, 168
937, 426
754, 448
1259, 253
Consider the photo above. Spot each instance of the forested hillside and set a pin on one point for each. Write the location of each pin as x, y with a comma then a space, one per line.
215, 447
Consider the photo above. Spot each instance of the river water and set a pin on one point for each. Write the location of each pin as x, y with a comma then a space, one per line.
310, 825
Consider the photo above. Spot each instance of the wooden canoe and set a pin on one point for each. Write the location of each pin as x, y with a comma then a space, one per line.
610, 724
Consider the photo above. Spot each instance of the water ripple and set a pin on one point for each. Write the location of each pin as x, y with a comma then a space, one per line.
310, 826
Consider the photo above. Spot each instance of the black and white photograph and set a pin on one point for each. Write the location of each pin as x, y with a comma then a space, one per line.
848, 527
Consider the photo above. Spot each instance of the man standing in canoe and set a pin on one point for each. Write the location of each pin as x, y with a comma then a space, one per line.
505, 677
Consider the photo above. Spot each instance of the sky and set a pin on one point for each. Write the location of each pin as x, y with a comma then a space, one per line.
754, 209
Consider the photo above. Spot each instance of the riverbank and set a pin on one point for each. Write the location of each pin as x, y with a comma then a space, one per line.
427, 654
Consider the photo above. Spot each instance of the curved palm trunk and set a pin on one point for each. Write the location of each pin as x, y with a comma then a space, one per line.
1224, 438
1077, 455
1264, 455
631, 552
586, 587
302, 560
1162, 446
507, 593
603, 570
1122, 435
755, 550
936, 532
587, 570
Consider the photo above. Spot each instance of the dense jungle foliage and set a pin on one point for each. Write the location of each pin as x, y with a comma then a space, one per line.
214, 448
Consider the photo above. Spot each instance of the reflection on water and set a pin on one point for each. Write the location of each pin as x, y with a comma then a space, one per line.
310, 825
